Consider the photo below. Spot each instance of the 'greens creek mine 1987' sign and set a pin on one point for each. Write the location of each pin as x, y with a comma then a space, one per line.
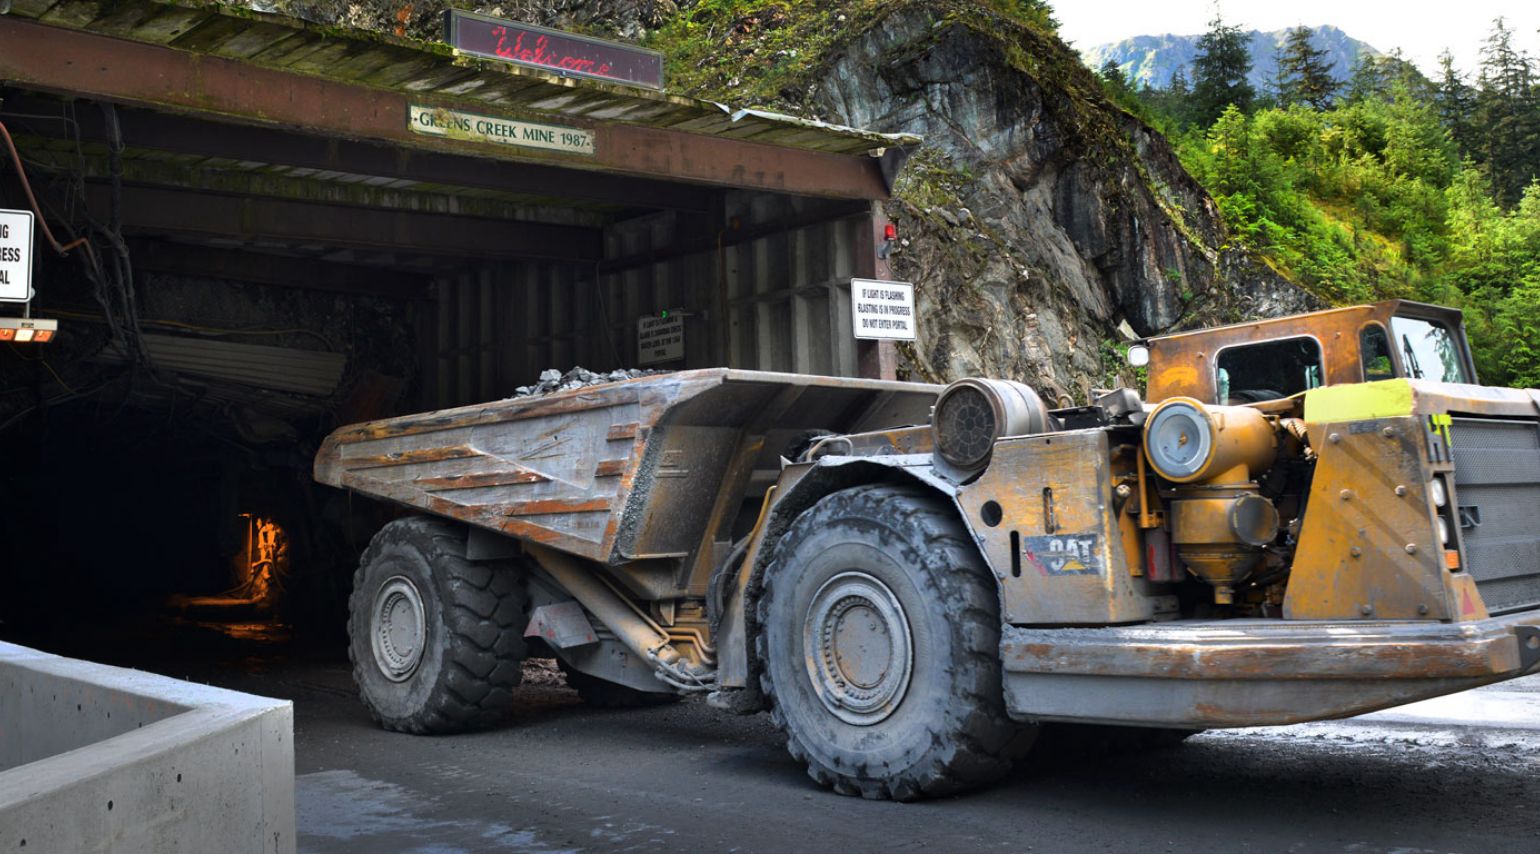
436, 121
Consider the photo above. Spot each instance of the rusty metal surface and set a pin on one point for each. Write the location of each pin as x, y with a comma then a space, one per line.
1435, 398
1369, 503
1183, 364
611, 473
269, 70
1368, 548
880, 443
1057, 545
1251, 672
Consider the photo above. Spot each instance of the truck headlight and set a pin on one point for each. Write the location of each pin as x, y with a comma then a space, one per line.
1443, 530
972, 414
1179, 439
1188, 442
1440, 494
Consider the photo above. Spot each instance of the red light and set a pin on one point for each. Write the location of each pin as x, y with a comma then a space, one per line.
7, 335
890, 232
43, 336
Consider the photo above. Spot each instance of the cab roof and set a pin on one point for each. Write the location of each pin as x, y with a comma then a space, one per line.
1377, 310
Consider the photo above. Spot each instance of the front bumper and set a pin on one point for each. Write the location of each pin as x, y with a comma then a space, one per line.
1233, 673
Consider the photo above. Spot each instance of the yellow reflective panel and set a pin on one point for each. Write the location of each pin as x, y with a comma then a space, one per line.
1358, 402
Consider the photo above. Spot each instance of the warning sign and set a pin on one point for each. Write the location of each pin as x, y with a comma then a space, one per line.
882, 310
15, 256
660, 339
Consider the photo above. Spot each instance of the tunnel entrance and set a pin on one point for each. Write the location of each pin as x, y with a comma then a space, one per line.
264, 249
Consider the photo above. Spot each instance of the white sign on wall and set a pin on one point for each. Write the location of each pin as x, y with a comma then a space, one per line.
437, 121
660, 339
882, 310
15, 256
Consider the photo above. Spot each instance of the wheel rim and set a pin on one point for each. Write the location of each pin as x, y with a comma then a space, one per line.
397, 628
859, 653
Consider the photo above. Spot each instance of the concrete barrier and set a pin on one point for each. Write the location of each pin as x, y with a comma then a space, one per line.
98, 758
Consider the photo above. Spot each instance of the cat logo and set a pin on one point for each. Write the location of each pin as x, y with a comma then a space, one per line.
1075, 554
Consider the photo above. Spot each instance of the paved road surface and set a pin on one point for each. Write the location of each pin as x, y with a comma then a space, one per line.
1459, 774
1454, 775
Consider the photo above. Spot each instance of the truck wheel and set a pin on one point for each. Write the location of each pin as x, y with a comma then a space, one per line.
880, 641
604, 694
436, 640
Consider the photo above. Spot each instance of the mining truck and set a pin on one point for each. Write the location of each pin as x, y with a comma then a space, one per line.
1309, 517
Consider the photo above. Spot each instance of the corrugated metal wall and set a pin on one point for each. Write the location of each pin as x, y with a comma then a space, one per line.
765, 299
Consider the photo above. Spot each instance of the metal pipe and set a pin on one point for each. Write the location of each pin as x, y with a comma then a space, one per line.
1145, 520
640, 635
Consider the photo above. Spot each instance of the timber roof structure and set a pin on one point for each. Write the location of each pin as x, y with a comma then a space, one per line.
433, 72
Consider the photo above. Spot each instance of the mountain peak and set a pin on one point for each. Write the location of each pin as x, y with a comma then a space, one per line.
1150, 60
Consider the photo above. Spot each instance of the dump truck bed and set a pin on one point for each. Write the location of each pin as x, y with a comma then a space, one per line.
630, 470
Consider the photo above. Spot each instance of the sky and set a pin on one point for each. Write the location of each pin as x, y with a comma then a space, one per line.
1422, 29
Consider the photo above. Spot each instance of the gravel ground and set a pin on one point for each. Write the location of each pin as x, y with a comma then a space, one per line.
1458, 774
562, 777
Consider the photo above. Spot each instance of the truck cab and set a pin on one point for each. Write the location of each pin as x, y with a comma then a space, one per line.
1283, 357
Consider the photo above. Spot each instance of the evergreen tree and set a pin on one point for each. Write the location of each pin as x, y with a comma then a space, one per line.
1113, 74
1219, 72
1272, 94
1381, 77
1179, 87
1173, 102
1456, 104
1507, 116
1368, 79
1401, 73
1304, 72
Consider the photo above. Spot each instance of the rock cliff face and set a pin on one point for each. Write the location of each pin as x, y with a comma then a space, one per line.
1037, 219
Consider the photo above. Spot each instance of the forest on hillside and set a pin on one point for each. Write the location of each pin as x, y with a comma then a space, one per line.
1377, 183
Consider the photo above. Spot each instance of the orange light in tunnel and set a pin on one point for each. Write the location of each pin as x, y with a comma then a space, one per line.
28, 330
266, 560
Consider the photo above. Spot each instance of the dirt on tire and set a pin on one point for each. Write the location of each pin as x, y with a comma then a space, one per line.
950, 731
472, 645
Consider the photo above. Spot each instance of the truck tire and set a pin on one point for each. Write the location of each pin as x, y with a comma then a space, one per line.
436, 640
880, 642
604, 694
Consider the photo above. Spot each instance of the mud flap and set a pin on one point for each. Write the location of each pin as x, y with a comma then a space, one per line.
561, 625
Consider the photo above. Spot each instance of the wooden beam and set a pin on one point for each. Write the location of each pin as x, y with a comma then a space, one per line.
163, 211
265, 269
65, 61
875, 360
214, 136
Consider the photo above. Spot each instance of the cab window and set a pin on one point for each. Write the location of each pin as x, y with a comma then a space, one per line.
1374, 351
1270, 370
1429, 351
